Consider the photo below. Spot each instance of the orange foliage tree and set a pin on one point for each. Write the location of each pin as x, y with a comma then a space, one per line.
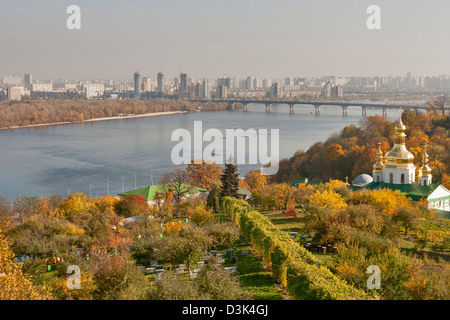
204, 175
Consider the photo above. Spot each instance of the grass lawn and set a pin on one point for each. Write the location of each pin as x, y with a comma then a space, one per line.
254, 277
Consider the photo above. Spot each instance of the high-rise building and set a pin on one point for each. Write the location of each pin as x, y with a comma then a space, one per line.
275, 90
205, 89
226, 81
327, 90
337, 92
222, 92
160, 82
137, 83
145, 84
266, 83
250, 84
183, 82
28, 80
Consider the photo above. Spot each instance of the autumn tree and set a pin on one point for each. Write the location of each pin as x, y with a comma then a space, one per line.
204, 174
440, 103
255, 179
185, 247
177, 181
405, 217
132, 205
14, 284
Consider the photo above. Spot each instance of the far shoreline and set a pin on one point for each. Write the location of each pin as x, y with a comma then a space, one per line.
151, 114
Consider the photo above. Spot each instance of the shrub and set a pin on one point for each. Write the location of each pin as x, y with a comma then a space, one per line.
291, 265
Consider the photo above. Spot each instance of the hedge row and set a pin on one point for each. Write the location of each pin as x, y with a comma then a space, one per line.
291, 265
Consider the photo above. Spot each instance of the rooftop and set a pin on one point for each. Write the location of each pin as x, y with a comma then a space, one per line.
150, 191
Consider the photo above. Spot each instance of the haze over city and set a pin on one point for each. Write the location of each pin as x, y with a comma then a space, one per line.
273, 39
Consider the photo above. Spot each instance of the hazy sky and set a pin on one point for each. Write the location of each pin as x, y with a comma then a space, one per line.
210, 38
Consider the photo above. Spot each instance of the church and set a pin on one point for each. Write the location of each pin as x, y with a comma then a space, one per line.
396, 170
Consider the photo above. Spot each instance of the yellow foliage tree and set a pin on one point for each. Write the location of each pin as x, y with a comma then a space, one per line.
173, 227
14, 284
384, 199
75, 206
87, 289
328, 199
255, 180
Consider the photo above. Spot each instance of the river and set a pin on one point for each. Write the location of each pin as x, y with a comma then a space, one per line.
106, 157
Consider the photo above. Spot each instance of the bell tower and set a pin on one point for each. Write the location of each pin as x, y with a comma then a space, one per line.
425, 176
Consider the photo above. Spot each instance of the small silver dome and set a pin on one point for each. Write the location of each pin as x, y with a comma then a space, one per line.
362, 180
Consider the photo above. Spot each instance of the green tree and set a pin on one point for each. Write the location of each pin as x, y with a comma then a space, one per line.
229, 179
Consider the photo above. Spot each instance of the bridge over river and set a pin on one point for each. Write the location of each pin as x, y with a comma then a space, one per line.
317, 104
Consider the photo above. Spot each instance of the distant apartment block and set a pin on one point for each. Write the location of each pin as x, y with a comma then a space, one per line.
13, 80
94, 90
15, 93
42, 87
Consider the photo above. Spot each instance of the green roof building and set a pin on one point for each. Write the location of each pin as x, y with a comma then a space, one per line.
150, 191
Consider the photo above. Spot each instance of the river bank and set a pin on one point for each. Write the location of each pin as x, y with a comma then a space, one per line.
151, 114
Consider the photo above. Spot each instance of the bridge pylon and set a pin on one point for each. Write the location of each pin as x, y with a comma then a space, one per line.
364, 111
344, 110
291, 108
317, 107
385, 112
268, 107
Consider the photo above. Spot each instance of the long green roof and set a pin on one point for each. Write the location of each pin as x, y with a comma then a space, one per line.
413, 190
150, 191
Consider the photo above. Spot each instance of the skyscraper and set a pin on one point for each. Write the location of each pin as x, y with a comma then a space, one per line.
28, 80
226, 81
137, 83
160, 82
146, 84
222, 92
183, 82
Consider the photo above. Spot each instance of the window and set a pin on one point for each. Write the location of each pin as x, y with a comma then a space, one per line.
402, 178
391, 178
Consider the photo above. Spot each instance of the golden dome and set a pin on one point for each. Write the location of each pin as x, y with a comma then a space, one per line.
425, 168
400, 127
378, 166
399, 156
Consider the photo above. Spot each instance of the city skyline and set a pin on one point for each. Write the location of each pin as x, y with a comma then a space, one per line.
265, 39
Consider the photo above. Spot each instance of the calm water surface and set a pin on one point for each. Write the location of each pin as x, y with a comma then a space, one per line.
95, 157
